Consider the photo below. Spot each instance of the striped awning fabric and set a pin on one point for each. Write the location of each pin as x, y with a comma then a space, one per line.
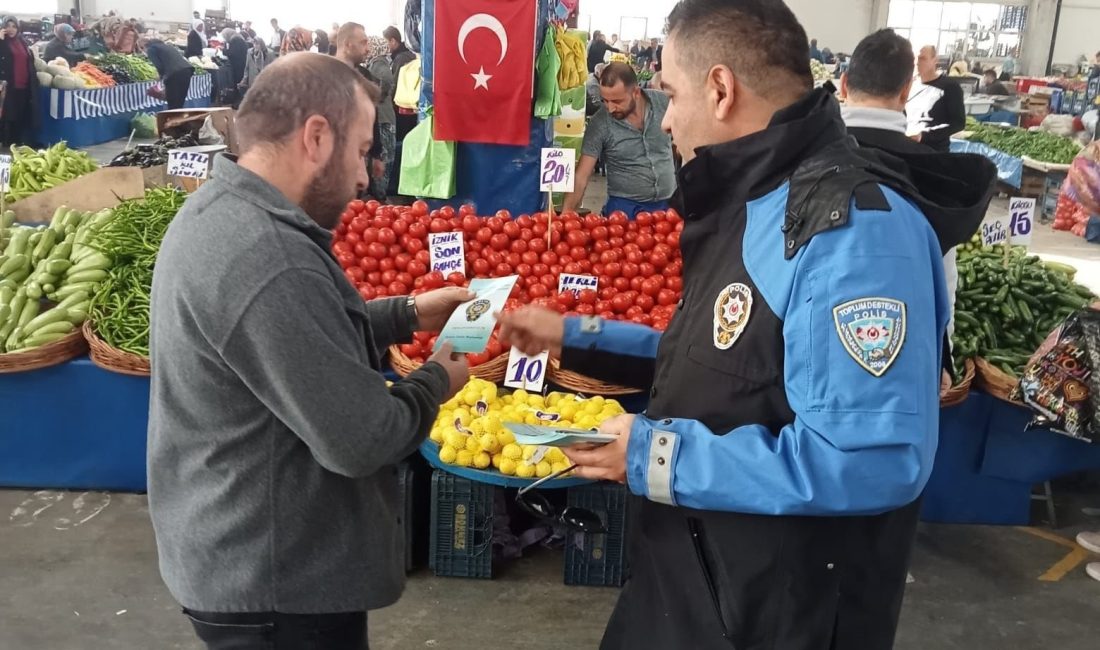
126, 98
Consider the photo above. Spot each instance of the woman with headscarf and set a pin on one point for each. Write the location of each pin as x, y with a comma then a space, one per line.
320, 40
298, 39
196, 39
61, 47
378, 70
259, 57
236, 50
20, 112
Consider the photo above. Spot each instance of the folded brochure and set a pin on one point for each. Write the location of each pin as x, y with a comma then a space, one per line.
469, 327
529, 434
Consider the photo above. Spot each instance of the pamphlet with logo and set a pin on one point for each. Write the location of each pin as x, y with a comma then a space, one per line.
529, 434
472, 322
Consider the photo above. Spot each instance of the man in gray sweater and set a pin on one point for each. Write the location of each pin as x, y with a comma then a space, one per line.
272, 433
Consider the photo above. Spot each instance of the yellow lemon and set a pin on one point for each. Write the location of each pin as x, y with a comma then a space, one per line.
532, 419
529, 451
455, 439
463, 416
477, 427
553, 398
523, 470
496, 460
464, 458
507, 466
489, 393
446, 416
482, 460
568, 410
492, 423
436, 435
535, 400
519, 396
505, 437
542, 469
512, 451
593, 407
473, 445
558, 467
490, 443
555, 455
564, 424
447, 454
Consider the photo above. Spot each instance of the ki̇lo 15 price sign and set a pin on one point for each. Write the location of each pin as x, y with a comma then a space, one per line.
1021, 217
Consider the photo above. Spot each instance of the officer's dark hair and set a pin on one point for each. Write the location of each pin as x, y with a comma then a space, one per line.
618, 71
391, 33
760, 41
881, 65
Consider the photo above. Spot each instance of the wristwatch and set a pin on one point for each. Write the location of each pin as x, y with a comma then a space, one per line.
411, 313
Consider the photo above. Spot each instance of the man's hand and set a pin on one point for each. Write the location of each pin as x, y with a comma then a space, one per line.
435, 307
458, 372
532, 330
378, 167
945, 382
606, 463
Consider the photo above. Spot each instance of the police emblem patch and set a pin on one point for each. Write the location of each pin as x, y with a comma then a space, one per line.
872, 331
477, 309
731, 314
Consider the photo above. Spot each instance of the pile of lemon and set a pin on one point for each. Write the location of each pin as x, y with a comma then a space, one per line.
470, 428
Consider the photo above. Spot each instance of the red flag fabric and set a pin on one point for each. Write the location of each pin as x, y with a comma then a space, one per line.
484, 70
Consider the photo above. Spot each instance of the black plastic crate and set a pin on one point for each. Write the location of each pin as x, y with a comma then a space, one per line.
598, 560
462, 527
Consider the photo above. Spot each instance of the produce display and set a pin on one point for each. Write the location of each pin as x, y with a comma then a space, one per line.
33, 171
151, 155
93, 76
819, 71
384, 252
135, 67
470, 428
47, 277
1044, 147
130, 240
1004, 309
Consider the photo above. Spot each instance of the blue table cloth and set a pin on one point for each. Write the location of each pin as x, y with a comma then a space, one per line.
1010, 169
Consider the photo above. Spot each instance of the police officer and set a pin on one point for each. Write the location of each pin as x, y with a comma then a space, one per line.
793, 414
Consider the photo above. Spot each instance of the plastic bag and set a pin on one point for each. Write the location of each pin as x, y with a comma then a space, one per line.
547, 93
1060, 387
407, 94
208, 134
144, 126
1083, 180
427, 164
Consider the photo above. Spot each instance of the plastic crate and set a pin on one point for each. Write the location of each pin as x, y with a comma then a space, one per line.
1052, 189
598, 560
462, 527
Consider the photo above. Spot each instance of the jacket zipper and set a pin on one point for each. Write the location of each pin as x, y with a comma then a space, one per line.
697, 541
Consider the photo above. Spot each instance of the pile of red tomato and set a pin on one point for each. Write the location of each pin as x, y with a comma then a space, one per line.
383, 249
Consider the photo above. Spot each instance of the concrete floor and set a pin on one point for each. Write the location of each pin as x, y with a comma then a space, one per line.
82, 575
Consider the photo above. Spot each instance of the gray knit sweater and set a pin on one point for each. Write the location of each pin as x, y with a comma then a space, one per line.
272, 434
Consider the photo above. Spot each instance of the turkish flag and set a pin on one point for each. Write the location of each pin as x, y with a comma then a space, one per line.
484, 70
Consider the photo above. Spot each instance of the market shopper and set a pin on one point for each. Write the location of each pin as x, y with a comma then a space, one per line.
593, 98
259, 57
19, 117
174, 70
272, 433
626, 137
321, 41
62, 45
400, 56
236, 50
598, 49
794, 400
937, 103
277, 36
196, 39
354, 48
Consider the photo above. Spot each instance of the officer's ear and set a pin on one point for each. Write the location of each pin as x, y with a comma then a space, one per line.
721, 91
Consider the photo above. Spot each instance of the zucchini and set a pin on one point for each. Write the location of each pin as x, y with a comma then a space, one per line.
14, 263
50, 317
93, 275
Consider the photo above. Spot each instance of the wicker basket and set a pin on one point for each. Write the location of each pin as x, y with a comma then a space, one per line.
113, 359
64, 349
957, 394
493, 370
579, 383
994, 381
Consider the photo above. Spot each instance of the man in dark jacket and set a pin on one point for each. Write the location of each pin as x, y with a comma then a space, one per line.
236, 50
272, 433
400, 56
175, 71
794, 399
597, 49
937, 104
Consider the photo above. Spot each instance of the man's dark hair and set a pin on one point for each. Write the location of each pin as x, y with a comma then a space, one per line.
990, 73
293, 89
618, 71
881, 65
392, 33
760, 41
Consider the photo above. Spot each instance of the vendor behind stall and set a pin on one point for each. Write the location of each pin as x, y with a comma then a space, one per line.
196, 39
62, 45
20, 112
174, 70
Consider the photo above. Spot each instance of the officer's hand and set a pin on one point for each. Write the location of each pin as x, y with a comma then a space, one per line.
532, 330
606, 463
458, 371
435, 307
945, 382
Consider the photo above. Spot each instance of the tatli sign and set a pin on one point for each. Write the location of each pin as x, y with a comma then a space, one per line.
556, 170
187, 164
448, 254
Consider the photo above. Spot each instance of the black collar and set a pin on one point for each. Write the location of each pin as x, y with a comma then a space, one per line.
752, 166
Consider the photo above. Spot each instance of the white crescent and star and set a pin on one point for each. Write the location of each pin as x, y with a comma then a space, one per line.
482, 21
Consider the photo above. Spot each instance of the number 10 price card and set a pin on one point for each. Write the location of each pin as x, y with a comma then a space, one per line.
469, 327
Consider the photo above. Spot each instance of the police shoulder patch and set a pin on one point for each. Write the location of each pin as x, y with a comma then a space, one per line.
872, 331
732, 309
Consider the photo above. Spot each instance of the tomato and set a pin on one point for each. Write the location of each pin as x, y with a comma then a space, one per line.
360, 250
523, 269
419, 208
414, 246
602, 306
674, 268
574, 268
511, 229
417, 269
374, 277
577, 253
646, 241
560, 248
538, 291
400, 227
592, 220
646, 302
540, 269
447, 212
401, 261
549, 280
567, 299
380, 292
607, 292
613, 269
576, 238
660, 324
484, 235
621, 283
418, 230
602, 246
471, 223
423, 256
481, 267
585, 308
457, 279
609, 256
355, 274
673, 239
620, 303
439, 225
405, 278
643, 219
587, 297
503, 215
389, 276
632, 311
636, 283
539, 230
368, 263
529, 281
346, 217
666, 297
630, 236
377, 250
518, 246
555, 269
433, 280
663, 227
397, 288
499, 241
466, 209
358, 224
503, 269
600, 233
645, 269
387, 236
495, 224
367, 292
530, 257
524, 221
494, 258
381, 222
549, 257
635, 256
537, 244
513, 259
411, 350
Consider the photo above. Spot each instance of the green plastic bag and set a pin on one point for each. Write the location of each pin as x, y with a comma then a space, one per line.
547, 66
427, 164
144, 126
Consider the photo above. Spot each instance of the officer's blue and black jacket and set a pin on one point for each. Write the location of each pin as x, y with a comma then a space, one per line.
794, 399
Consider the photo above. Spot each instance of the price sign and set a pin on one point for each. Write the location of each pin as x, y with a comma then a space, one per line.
448, 253
995, 230
577, 283
188, 164
5, 173
557, 168
1021, 218
526, 372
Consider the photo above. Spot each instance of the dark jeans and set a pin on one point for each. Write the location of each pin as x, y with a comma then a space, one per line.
275, 631
176, 86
